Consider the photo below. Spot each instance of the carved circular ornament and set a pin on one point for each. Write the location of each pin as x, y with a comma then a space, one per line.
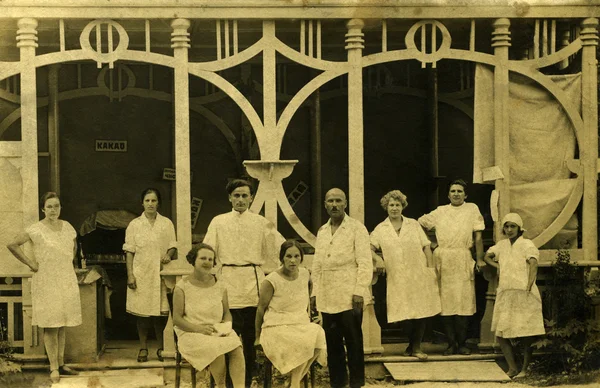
112, 55
437, 53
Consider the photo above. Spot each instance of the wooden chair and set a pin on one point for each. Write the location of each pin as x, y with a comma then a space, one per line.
179, 358
268, 375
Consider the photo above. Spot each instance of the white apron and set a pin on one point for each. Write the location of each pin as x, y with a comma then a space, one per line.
454, 227
412, 289
148, 243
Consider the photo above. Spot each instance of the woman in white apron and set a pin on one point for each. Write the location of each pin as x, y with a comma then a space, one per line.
54, 290
149, 243
412, 289
456, 226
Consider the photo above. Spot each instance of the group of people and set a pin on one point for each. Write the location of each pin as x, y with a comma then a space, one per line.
227, 308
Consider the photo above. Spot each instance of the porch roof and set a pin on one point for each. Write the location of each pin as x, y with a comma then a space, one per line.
295, 9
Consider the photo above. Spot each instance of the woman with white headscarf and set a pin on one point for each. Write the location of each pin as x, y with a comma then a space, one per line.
518, 308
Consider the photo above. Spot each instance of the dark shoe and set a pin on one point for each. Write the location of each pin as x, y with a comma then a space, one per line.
55, 376
159, 354
65, 370
408, 352
464, 351
142, 355
450, 350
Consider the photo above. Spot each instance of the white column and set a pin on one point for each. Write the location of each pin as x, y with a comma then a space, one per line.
500, 43
270, 150
356, 168
356, 162
27, 43
180, 42
589, 149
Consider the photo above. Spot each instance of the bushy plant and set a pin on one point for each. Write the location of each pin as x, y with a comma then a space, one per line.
572, 341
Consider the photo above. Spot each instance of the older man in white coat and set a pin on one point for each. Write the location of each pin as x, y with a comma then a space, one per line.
342, 271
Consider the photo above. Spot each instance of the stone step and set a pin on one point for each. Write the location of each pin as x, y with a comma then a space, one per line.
114, 378
447, 371
432, 357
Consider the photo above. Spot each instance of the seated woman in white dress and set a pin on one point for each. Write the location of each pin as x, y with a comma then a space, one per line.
518, 308
283, 327
203, 322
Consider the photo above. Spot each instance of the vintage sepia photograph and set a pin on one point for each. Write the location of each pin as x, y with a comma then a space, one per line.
299, 193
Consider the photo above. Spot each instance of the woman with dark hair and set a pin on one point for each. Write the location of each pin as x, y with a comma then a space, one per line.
518, 307
54, 290
283, 327
412, 290
149, 243
203, 322
456, 226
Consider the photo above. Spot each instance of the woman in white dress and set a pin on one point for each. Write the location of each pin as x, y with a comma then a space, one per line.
518, 307
283, 327
412, 289
203, 322
149, 243
54, 289
456, 226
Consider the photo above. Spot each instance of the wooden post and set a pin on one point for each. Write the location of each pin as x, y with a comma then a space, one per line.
356, 169
433, 121
500, 43
270, 150
316, 189
27, 43
180, 42
589, 149
53, 129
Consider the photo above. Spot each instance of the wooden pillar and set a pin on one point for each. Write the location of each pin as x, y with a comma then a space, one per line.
180, 42
589, 150
53, 129
432, 119
316, 189
356, 169
500, 43
27, 43
270, 149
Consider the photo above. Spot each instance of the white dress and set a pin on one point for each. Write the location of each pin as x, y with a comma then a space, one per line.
412, 289
203, 305
454, 227
54, 289
517, 312
149, 243
288, 337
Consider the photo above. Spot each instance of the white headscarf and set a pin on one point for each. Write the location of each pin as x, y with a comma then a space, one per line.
513, 217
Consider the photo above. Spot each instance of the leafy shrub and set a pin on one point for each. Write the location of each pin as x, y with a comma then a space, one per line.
572, 341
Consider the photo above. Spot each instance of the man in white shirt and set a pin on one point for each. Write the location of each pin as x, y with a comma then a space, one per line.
244, 243
341, 272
